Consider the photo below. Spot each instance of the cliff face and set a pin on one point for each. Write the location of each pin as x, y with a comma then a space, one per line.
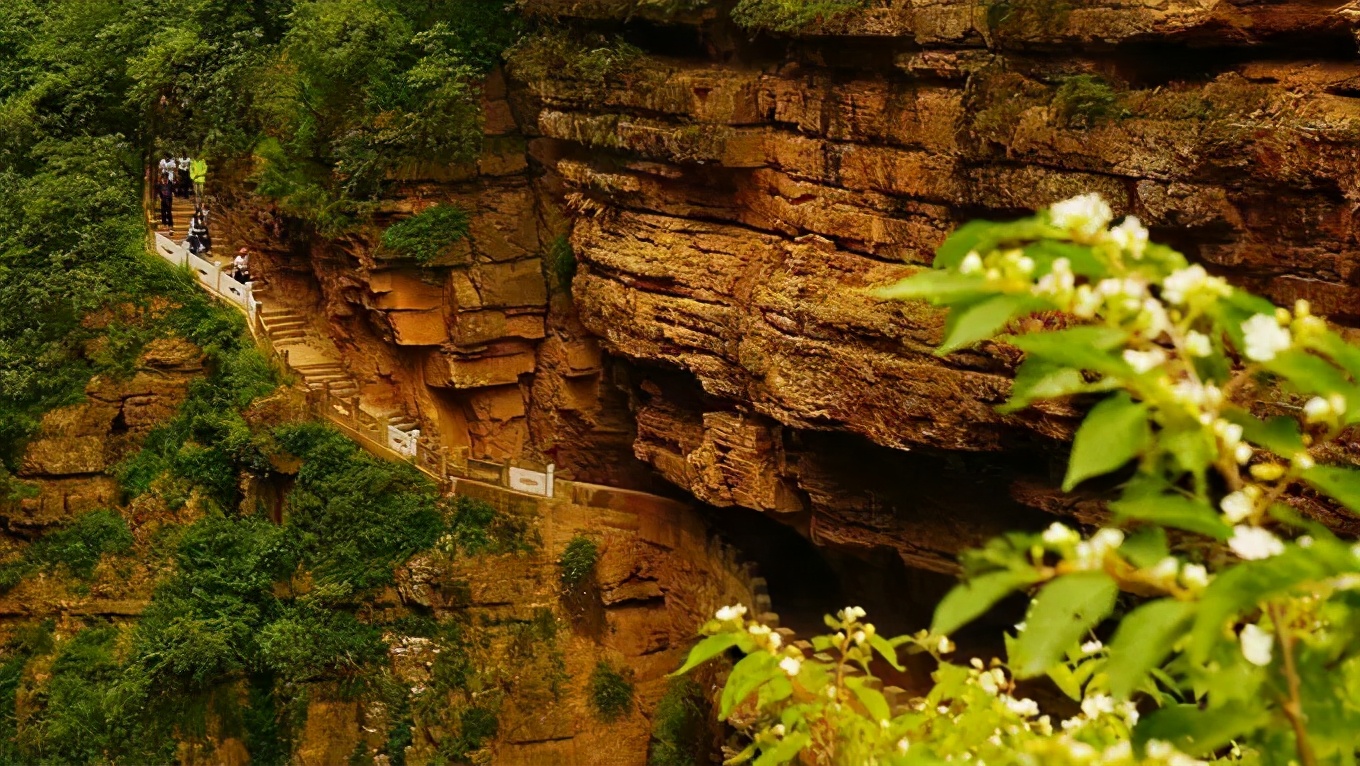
734, 198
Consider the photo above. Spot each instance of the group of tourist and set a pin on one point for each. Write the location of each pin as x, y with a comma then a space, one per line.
184, 177
181, 177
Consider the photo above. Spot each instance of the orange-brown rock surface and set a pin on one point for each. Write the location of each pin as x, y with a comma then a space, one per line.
735, 194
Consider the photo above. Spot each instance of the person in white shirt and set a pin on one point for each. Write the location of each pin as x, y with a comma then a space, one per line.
241, 266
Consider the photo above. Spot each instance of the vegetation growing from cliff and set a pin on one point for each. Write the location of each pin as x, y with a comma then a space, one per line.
1084, 100
578, 560
591, 58
680, 734
790, 15
78, 547
1235, 639
427, 235
611, 691
561, 262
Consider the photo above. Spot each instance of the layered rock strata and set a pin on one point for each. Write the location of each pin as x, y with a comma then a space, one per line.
736, 197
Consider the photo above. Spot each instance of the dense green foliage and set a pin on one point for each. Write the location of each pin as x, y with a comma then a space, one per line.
680, 726
428, 234
611, 691
578, 560
1086, 100
586, 57
789, 15
77, 546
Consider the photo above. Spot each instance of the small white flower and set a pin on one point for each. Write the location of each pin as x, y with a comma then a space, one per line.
1194, 576
1025, 708
1020, 626
1253, 543
757, 630
944, 645
1060, 534
1091, 647
1242, 453
1230, 433
791, 665
1087, 302
775, 640
1097, 704
778, 730
1130, 236
1317, 409
1120, 751
1165, 570
729, 613
858, 637
1025, 265
1180, 287
1086, 215
1198, 344
1303, 461
1305, 541
971, 264
1106, 540
903, 745
1145, 361
1265, 338
1256, 645
1236, 506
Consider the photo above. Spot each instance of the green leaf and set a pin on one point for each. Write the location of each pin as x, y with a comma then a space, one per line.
1243, 587
886, 650
1036, 380
964, 240
1082, 258
706, 650
1066, 681
1199, 732
1311, 374
1059, 617
747, 675
980, 321
872, 700
1176, 511
1342, 484
1145, 547
1144, 639
1082, 348
939, 287
972, 598
1341, 353
1279, 434
786, 751
1114, 433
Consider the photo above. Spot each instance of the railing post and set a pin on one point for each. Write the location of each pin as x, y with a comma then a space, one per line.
444, 462
551, 469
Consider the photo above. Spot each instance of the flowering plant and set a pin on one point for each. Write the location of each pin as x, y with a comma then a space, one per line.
1236, 637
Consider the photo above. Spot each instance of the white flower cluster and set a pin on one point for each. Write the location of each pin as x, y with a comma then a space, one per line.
1254, 543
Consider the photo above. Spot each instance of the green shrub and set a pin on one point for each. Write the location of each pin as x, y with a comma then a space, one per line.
427, 235
578, 560
308, 642
591, 58
1085, 100
79, 546
562, 262
789, 15
476, 527
355, 516
680, 726
611, 691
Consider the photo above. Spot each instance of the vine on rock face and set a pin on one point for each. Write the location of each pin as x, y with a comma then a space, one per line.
1241, 642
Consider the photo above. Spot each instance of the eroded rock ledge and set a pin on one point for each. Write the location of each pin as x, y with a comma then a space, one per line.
734, 202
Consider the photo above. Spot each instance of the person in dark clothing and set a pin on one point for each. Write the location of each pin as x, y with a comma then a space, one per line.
167, 193
199, 242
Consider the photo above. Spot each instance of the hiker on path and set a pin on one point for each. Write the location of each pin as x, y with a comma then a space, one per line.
241, 266
198, 173
199, 242
167, 194
182, 174
167, 168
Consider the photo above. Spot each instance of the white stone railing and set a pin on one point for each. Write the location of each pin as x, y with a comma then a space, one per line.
209, 274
